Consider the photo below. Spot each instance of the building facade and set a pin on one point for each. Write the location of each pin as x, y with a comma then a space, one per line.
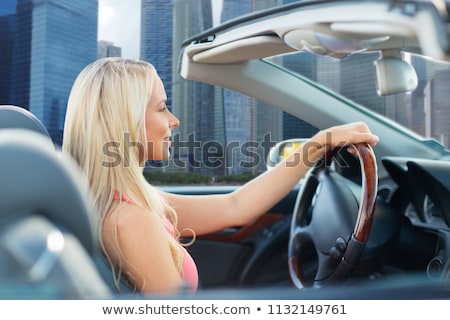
156, 39
108, 49
52, 41
164, 26
250, 125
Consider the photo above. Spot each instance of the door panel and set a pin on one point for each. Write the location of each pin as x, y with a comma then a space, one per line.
254, 255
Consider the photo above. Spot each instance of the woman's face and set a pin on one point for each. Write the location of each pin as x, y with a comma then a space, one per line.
159, 122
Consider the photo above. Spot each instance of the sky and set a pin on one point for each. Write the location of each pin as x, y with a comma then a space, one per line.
119, 22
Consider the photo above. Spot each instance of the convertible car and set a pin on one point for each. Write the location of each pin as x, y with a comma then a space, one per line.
369, 225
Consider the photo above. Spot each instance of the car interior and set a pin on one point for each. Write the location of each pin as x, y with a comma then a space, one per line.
314, 243
244, 55
48, 238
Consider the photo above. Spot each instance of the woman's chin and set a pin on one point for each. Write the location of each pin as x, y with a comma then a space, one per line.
162, 157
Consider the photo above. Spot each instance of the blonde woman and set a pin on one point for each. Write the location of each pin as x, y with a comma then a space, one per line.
116, 120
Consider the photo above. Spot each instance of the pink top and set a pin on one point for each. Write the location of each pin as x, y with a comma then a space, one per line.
190, 273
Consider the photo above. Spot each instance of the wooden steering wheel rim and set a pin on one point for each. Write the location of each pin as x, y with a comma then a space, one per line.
370, 187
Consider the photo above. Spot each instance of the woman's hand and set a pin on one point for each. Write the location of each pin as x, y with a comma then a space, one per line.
344, 135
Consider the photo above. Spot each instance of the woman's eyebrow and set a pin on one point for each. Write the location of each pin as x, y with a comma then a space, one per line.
159, 103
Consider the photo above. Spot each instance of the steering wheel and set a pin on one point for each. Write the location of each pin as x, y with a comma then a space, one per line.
323, 224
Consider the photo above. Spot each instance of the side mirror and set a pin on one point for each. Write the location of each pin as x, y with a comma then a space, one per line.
281, 150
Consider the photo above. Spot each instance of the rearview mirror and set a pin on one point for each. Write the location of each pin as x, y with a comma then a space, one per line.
394, 75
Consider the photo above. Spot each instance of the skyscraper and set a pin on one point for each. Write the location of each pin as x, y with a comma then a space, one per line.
306, 65
248, 122
199, 106
164, 26
156, 39
53, 41
8, 7
7, 30
108, 49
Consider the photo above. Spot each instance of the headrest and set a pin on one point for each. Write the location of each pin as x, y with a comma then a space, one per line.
17, 117
37, 178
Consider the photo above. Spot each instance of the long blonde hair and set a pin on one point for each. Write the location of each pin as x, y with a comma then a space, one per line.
106, 110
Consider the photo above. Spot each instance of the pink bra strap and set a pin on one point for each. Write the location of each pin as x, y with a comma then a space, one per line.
124, 198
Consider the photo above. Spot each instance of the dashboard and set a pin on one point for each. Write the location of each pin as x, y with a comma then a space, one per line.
423, 189
422, 196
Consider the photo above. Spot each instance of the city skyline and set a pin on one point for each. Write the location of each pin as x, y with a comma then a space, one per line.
31, 33
207, 112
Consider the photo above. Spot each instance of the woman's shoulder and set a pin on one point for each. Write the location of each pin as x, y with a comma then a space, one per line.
132, 228
130, 215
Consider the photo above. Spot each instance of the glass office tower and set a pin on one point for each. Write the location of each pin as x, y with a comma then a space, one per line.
52, 41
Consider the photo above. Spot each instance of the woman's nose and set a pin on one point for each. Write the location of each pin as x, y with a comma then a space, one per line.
173, 121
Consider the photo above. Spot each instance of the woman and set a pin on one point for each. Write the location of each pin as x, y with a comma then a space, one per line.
116, 120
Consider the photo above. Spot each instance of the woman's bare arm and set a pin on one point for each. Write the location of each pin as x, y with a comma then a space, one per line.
205, 214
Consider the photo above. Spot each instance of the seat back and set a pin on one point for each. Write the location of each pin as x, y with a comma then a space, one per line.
105, 272
48, 231
17, 117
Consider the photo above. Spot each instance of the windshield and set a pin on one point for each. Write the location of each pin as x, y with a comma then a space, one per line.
425, 110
